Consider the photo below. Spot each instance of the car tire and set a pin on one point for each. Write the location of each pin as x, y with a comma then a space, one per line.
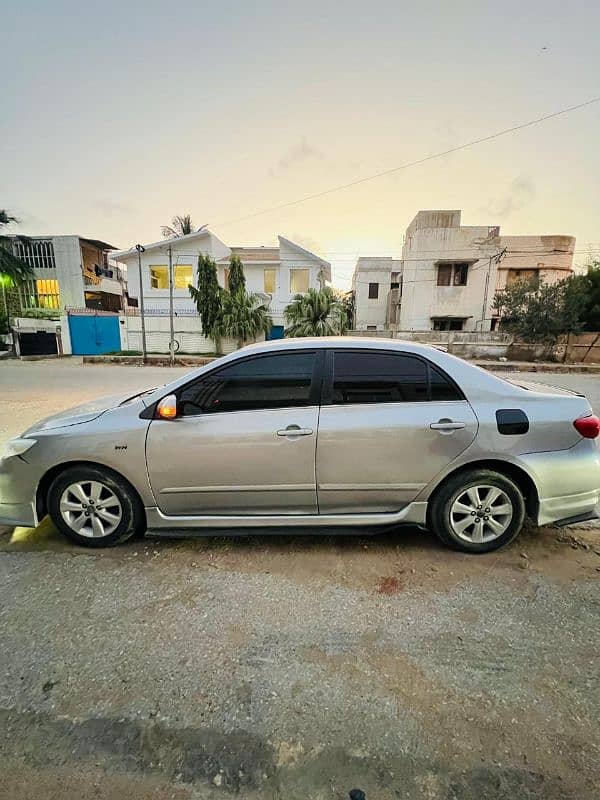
461, 518
94, 506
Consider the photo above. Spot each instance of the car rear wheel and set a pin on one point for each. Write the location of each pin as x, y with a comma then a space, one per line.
477, 511
94, 507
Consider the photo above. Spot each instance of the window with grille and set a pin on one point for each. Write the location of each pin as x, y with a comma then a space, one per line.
39, 254
41, 293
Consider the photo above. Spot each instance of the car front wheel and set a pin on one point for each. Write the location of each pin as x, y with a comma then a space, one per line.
94, 507
477, 511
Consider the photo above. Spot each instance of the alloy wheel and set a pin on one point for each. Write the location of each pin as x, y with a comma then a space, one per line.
481, 514
91, 509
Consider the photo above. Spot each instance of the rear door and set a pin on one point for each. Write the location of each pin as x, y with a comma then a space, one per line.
389, 423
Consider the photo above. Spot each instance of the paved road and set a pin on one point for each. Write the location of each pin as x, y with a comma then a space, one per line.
290, 668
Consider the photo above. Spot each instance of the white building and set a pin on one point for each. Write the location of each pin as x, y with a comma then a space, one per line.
449, 274
70, 272
376, 284
276, 273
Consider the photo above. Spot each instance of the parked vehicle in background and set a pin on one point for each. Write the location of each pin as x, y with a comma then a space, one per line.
327, 433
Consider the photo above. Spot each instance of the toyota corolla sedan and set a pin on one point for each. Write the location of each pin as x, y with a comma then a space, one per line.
313, 434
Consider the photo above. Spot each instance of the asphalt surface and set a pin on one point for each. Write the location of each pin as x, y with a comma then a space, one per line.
291, 667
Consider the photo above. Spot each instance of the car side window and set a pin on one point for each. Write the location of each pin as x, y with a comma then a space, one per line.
375, 377
271, 381
441, 387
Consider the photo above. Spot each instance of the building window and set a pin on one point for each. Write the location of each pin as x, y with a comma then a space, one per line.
41, 293
527, 275
103, 301
47, 293
373, 291
460, 274
299, 280
371, 327
38, 254
269, 277
453, 274
182, 276
448, 323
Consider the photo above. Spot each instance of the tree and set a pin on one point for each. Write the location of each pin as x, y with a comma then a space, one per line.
180, 226
590, 283
13, 271
237, 279
244, 316
318, 312
208, 298
540, 312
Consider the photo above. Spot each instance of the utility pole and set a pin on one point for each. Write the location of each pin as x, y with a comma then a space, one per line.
498, 257
140, 249
171, 329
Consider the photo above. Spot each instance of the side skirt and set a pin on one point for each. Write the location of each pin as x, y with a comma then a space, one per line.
163, 525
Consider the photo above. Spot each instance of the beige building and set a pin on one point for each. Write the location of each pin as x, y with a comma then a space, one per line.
547, 257
449, 273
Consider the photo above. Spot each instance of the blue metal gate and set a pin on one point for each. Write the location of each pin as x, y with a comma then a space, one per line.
94, 334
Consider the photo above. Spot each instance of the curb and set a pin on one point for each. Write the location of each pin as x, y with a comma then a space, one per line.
151, 360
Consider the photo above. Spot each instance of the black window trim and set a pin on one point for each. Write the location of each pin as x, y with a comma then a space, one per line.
327, 381
314, 393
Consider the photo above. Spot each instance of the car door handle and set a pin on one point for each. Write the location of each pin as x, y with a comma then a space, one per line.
294, 430
447, 425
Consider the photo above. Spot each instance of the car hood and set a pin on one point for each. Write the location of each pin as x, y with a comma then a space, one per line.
79, 414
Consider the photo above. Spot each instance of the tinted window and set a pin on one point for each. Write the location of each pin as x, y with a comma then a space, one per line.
277, 381
373, 291
372, 377
441, 387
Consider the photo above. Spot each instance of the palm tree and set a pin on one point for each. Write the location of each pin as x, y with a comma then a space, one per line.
244, 317
318, 312
180, 226
13, 271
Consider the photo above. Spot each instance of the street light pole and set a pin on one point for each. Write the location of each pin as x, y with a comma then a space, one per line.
171, 329
140, 249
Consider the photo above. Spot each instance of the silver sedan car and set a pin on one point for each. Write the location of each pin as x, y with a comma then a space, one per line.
313, 434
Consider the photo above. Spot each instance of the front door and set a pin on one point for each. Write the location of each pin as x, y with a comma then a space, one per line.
243, 441
389, 423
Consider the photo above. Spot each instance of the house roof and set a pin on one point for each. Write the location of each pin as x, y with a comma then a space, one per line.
98, 243
256, 253
125, 255
325, 264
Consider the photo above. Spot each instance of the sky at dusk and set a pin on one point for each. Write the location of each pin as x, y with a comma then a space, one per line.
115, 116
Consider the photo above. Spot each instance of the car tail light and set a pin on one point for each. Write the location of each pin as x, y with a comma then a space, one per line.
588, 427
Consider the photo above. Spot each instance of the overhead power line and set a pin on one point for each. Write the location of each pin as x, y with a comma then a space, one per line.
423, 160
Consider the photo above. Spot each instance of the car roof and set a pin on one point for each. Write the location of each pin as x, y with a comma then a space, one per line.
354, 342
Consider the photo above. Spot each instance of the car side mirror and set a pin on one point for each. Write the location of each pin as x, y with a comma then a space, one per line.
167, 408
